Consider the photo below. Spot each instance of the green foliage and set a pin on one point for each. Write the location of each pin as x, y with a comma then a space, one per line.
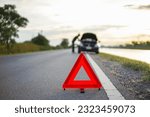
64, 43
10, 21
23, 48
40, 40
133, 64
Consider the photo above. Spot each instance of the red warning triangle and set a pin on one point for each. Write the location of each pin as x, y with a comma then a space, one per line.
70, 82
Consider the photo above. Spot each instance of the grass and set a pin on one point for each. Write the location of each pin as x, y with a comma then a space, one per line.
20, 48
24, 48
133, 64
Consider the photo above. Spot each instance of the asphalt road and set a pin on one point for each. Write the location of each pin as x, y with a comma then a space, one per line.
40, 76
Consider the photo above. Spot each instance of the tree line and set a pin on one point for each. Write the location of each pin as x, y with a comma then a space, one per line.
43, 41
135, 45
132, 45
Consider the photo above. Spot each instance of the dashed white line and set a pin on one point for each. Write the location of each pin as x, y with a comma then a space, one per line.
111, 90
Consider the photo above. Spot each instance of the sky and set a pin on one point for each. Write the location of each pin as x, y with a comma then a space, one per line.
113, 21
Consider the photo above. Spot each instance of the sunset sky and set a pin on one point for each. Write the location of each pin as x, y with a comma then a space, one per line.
114, 21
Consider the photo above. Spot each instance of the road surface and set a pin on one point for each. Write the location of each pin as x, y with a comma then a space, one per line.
40, 76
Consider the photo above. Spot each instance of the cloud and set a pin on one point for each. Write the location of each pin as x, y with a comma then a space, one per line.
129, 5
102, 27
139, 7
112, 26
61, 31
146, 7
143, 36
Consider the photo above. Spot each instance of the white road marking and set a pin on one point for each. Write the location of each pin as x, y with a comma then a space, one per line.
111, 90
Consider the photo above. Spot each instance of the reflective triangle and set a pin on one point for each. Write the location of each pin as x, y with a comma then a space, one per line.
92, 82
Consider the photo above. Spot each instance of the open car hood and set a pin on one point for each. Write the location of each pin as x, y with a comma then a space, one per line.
89, 36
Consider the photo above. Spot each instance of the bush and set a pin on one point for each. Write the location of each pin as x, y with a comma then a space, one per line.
64, 43
40, 40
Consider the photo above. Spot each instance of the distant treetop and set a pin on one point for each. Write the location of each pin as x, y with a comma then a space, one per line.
40, 40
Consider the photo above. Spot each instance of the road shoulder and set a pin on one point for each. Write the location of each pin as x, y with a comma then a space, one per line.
110, 89
110, 69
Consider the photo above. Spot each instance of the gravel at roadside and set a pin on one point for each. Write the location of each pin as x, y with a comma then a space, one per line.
126, 80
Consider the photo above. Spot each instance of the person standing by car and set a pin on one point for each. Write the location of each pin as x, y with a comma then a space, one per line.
73, 42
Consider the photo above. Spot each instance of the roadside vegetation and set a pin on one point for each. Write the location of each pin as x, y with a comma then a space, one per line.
10, 22
138, 45
133, 64
24, 48
38, 43
134, 45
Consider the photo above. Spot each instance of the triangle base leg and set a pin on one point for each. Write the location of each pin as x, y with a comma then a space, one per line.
82, 91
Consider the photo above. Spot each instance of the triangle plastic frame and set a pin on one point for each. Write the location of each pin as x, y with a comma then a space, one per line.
70, 81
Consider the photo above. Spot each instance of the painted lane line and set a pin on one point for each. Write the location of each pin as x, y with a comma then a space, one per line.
111, 90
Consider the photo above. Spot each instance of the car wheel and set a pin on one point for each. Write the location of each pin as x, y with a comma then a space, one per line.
97, 52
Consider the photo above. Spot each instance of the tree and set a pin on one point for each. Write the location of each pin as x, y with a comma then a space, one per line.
64, 43
40, 40
10, 22
135, 43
